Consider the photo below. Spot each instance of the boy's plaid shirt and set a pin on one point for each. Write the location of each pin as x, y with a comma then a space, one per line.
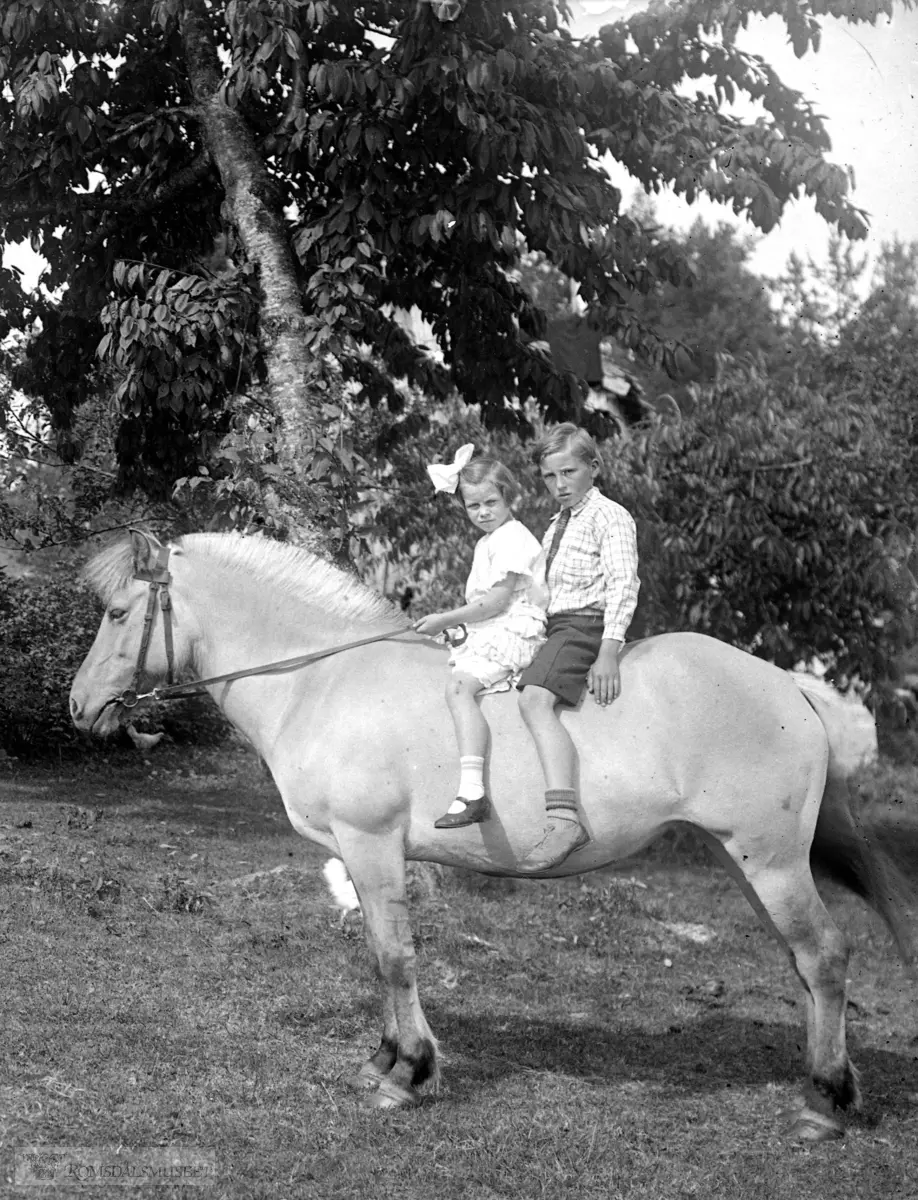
596, 565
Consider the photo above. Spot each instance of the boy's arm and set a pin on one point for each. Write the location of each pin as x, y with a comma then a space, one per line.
618, 558
619, 561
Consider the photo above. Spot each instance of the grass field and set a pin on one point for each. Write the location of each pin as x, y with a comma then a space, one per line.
175, 976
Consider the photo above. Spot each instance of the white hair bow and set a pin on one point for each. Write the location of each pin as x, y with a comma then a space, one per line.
445, 476
447, 10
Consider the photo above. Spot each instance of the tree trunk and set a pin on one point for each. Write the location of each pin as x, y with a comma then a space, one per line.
252, 201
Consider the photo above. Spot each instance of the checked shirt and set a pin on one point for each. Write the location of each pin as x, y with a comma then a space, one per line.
596, 563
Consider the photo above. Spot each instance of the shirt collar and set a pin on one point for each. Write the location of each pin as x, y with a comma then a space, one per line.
578, 508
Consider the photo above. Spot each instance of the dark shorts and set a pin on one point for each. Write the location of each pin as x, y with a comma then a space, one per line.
563, 663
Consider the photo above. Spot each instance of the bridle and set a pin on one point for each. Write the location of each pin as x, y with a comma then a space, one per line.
159, 578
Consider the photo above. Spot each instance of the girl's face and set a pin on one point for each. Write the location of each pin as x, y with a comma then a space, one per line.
484, 505
567, 477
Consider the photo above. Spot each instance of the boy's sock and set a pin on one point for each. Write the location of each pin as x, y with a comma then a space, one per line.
561, 802
471, 781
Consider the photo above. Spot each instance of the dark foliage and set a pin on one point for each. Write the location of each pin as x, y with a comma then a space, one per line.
46, 628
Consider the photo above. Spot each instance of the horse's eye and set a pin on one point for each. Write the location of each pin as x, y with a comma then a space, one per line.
117, 614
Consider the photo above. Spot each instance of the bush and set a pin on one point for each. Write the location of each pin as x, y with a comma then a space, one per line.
46, 630
772, 518
778, 520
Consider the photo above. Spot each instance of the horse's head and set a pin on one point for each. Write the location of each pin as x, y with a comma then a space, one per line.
141, 637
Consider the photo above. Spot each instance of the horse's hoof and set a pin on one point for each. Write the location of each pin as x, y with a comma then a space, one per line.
367, 1079
813, 1126
362, 1083
793, 1110
390, 1095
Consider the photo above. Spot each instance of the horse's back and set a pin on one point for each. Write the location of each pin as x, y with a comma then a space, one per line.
690, 692
702, 733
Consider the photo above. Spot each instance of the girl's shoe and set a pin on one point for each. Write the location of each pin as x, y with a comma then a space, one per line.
474, 811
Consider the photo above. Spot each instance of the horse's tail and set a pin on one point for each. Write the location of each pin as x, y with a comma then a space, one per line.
842, 849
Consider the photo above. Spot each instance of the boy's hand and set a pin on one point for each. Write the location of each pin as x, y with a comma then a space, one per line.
604, 680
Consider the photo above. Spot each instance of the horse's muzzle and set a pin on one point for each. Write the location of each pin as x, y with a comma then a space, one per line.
99, 724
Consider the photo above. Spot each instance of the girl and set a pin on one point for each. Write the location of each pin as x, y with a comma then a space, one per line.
505, 608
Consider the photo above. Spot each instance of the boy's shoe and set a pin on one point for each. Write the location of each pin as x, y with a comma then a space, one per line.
560, 838
474, 811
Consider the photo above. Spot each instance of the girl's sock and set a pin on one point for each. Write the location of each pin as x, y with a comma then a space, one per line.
471, 781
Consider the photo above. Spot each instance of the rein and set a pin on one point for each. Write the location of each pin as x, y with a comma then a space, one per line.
159, 579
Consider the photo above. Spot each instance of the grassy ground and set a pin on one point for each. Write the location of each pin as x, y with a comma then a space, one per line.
175, 976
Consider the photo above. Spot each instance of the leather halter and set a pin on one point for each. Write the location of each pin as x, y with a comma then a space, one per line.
159, 579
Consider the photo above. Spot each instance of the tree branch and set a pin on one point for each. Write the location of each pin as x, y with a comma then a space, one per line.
114, 202
41, 462
297, 97
149, 118
85, 536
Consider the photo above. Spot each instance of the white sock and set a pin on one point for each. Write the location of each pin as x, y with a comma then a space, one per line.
471, 781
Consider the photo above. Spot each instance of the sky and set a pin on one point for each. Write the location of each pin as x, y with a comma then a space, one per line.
864, 80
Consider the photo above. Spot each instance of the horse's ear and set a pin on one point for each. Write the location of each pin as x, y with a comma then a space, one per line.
144, 548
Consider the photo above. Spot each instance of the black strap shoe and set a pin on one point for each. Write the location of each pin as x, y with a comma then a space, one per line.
474, 811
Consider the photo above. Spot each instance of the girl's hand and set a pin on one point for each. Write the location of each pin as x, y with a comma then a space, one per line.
431, 625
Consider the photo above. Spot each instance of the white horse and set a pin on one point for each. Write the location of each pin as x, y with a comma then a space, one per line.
360, 744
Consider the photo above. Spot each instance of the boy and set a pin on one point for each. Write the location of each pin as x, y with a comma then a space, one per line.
591, 572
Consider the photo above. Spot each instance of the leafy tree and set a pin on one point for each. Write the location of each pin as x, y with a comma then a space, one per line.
817, 301
873, 363
724, 308
857, 343
548, 287
352, 159
892, 301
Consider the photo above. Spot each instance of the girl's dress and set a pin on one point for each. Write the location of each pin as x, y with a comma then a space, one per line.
511, 639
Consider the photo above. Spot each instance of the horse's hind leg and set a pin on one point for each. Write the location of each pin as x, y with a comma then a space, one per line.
786, 899
407, 1054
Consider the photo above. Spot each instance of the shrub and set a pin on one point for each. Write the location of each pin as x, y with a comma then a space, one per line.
46, 629
771, 517
777, 520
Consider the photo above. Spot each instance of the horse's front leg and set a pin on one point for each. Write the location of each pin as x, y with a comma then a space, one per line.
381, 1062
407, 1054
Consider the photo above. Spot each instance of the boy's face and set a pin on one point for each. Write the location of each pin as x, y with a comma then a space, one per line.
567, 477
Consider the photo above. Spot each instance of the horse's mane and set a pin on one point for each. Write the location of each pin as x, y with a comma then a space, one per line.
297, 572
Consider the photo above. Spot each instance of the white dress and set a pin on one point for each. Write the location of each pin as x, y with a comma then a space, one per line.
509, 641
